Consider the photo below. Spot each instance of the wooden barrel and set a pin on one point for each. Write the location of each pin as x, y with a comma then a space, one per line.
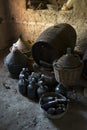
52, 43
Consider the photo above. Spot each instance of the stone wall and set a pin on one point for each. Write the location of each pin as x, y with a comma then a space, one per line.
4, 30
15, 19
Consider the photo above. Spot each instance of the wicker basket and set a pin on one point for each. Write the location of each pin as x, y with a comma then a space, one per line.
68, 77
68, 69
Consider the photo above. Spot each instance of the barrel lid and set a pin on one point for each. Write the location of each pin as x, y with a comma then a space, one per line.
68, 60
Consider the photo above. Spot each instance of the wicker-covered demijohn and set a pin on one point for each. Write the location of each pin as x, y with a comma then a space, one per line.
68, 68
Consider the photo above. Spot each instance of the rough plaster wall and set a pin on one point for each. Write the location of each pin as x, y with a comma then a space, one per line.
30, 23
3, 27
57, 1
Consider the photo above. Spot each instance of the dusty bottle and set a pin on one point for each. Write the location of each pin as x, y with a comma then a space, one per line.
31, 89
42, 77
22, 85
31, 77
42, 89
24, 72
37, 76
61, 89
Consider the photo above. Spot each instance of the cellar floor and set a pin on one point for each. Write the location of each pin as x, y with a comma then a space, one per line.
19, 113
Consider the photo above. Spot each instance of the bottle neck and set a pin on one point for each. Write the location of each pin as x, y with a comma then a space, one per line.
68, 53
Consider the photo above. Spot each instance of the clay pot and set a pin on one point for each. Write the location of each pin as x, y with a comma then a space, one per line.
15, 61
24, 47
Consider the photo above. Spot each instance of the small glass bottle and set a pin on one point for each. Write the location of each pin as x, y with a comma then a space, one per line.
42, 89
24, 72
22, 85
31, 89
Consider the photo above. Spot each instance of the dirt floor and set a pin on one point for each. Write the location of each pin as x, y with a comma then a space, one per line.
19, 113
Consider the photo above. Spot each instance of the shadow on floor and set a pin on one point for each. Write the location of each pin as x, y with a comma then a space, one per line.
75, 118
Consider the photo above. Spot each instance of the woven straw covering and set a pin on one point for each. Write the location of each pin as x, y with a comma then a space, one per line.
68, 69
68, 61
